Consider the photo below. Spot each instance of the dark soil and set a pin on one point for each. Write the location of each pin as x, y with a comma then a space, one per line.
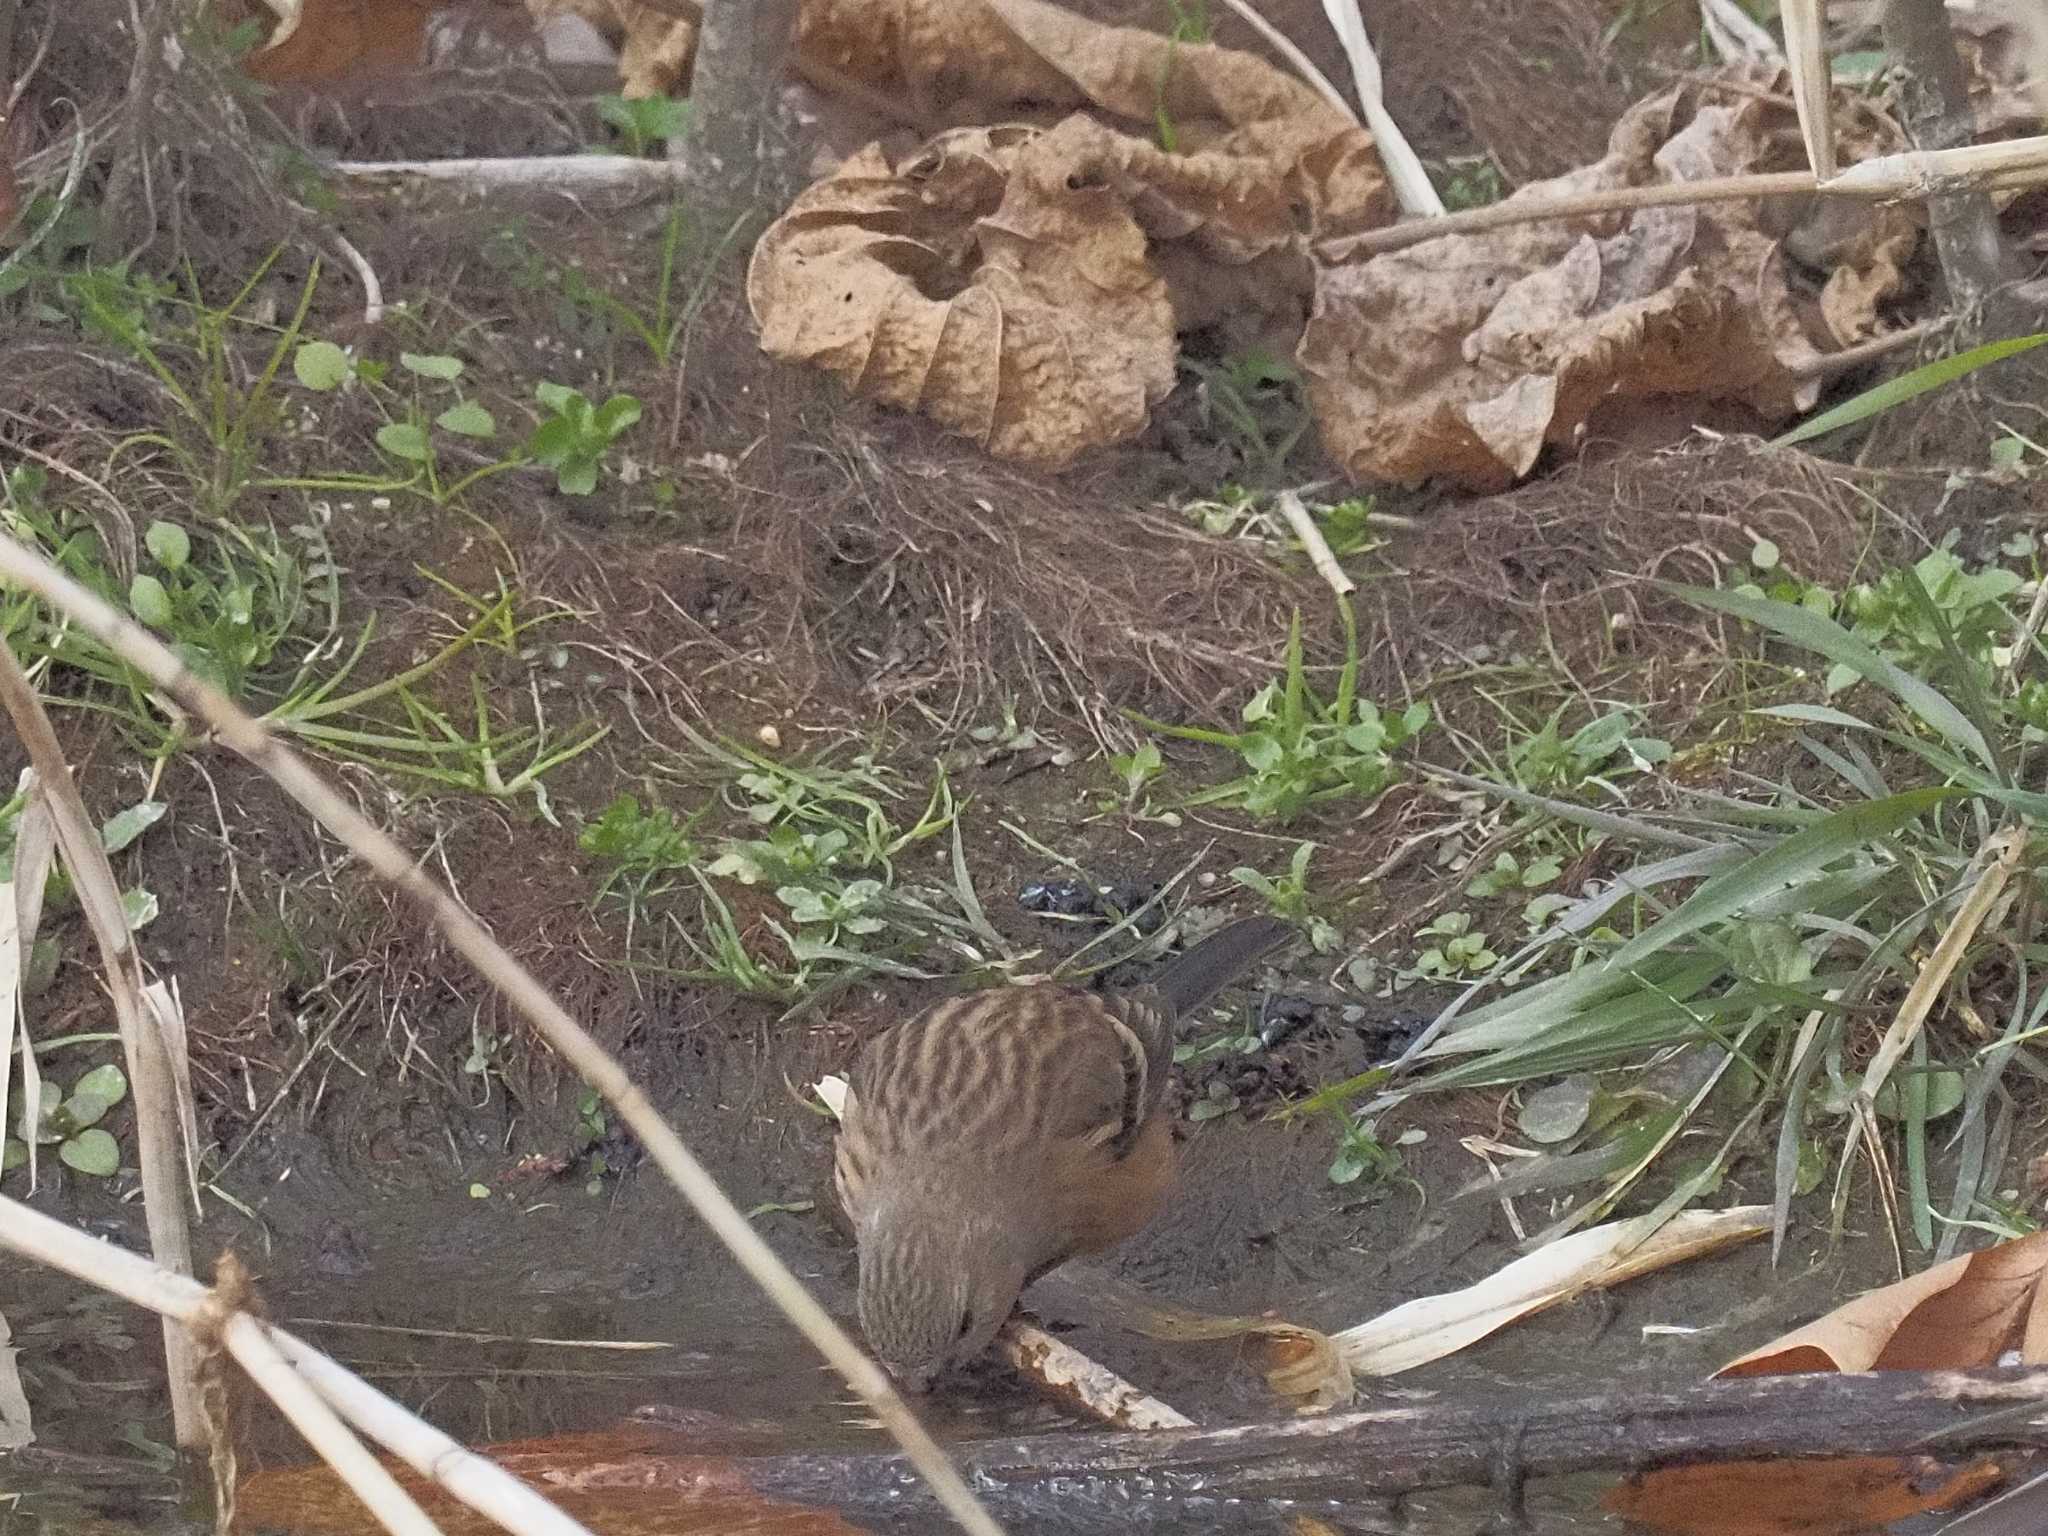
789, 559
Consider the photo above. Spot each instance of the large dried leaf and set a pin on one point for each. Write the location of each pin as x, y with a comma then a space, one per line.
1465, 356
1959, 1315
1023, 283
1967, 1313
994, 283
1800, 1498
656, 45
983, 61
631, 1481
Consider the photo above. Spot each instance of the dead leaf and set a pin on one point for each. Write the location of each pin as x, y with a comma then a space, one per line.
993, 283
1298, 1362
637, 1480
1022, 281
1431, 1327
1464, 357
656, 46
1959, 1315
1799, 1498
1968, 1312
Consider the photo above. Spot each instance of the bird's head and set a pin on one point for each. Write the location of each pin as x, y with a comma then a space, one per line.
938, 1278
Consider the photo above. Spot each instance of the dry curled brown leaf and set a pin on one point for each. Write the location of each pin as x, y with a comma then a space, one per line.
1967, 1313
1464, 357
1022, 282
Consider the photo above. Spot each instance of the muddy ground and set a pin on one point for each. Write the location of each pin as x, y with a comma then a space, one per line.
792, 560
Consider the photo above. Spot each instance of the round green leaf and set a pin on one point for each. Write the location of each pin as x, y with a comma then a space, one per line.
149, 600
13, 1155
1553, 1113
556, 397
403, 440
81, 1110
577, 477
320, 365
124, 827
467, 420
106, 1082
169, 545
430, 365
617, 414
92, 1152
142, 907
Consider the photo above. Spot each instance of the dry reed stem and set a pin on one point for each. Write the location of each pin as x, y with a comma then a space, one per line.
2004, 850
466, 1476
2015, 163
1416, 192
296, 777
1806, 58
318, 1424
161, 1125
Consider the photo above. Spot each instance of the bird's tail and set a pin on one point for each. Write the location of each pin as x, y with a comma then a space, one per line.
1191, 979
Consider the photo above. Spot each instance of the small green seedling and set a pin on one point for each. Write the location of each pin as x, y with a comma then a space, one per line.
649, 851
1360, 1152
1460, 949
71, 1122
574, 440
1300, 751
644, 122
1287, 896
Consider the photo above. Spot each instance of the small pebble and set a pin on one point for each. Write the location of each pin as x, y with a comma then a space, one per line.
769, 737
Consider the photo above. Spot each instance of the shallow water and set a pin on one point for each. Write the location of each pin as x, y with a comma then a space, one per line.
482, 1313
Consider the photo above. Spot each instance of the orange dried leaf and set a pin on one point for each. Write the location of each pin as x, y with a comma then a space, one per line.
1959, 1315
1795, 1498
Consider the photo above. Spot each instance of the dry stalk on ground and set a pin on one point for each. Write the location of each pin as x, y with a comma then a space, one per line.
254, 742
164, 1124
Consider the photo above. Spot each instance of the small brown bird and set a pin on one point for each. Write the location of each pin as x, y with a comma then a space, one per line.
992, 1137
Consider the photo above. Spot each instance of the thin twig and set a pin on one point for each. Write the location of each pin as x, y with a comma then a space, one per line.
1295, 510
592, 1062
2017, 163
1079, 1382
1284, 46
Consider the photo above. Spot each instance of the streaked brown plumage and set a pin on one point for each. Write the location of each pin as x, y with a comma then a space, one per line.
994, 1136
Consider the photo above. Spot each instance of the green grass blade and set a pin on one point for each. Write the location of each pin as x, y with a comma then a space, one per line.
1975, 703
1825, 637
1909, 385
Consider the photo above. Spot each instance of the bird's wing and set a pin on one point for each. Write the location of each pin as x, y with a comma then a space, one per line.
1001, 1072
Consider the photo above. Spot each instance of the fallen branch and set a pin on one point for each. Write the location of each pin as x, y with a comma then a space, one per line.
569, 174
1435, 1441
1295, 510
164, 1124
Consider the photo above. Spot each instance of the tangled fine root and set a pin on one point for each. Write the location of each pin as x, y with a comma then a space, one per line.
233, 1292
